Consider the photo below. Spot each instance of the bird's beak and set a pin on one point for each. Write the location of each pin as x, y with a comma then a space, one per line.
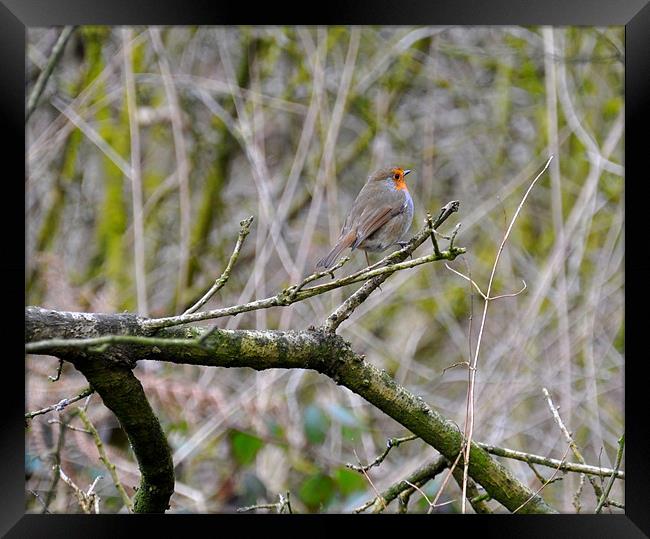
406, 172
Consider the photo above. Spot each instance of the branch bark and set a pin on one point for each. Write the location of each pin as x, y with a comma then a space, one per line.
107, 369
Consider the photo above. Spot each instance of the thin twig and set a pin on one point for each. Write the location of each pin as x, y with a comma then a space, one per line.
344, 311
221, 281
88, 501
104, 458
610, 483
567, 435
59, 406
429, 219
471, 281
424, 495
419, 477
469, 417
477, 500
392, 442
38, 497
378, 496
51, 493
550, 479
59, 370
43, 77
550, 462
578, 493
293, 290
280, 507
67, 426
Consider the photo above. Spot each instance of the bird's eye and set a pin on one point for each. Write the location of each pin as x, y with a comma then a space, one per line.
396, 176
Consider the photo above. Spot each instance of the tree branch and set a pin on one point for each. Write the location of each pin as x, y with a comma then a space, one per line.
315, 349
44, 76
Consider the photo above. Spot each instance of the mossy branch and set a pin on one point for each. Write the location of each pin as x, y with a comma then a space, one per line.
315, 349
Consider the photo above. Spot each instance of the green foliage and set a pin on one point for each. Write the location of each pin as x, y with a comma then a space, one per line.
349, 482
245, 446
317, 491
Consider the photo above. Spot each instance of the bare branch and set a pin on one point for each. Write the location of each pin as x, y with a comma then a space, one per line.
610, 483
418, 477
551, 462
221, 281
469, 417
105, 460
290, 295
567, 435
43, 77
59, 406
392, 442
550, 479
88, 501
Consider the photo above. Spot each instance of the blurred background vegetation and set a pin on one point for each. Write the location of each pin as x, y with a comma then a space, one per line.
149, 145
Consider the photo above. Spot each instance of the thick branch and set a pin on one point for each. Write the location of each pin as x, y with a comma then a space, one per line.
320, 350
123, 394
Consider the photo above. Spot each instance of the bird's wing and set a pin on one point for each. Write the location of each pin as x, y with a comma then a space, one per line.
371, 221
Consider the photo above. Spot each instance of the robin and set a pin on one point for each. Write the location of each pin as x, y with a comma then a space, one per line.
380, 216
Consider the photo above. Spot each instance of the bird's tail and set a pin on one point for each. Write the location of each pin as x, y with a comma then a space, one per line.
344, 241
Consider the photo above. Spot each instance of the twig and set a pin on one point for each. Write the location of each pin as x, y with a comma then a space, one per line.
395, 261
293, 290
469, 417
578, 493
544, 485
419, 477
448, 476
610, 483
88, 501
436, 249
365, 473
280, 507
392, 442
104, 458
567, 435
286, 297
67, 426
550, 462
471, 281
38, 497
49, 496
59, 406
258, 506
44, 75
59, 370
431, 504
478, 289
221, 281
475, 499
541, 478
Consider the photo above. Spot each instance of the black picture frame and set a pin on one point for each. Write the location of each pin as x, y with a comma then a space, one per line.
17, 15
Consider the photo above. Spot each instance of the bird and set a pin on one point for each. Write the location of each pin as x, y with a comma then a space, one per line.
380, 216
